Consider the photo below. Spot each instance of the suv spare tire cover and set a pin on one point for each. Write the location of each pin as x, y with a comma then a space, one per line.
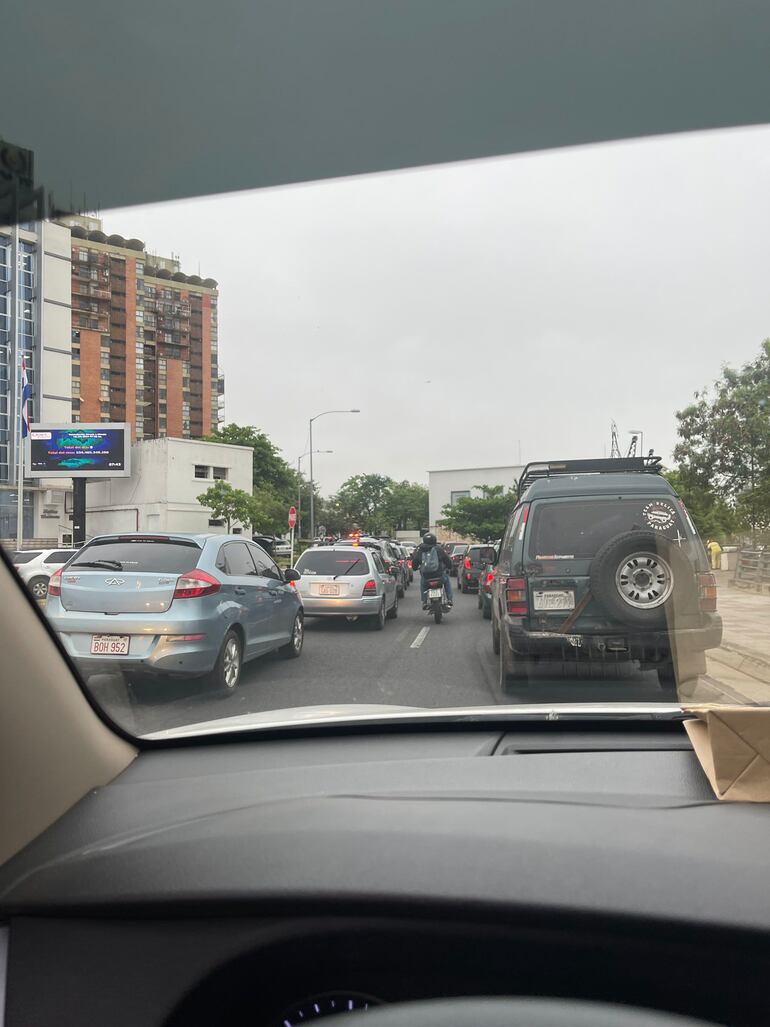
663, 565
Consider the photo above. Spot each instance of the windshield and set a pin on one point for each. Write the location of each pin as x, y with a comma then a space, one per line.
332, 563
602, 515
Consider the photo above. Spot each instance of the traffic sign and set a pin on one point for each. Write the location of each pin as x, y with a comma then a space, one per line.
292, 516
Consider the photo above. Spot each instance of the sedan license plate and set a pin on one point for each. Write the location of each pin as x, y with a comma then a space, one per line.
554, 600
110, 645
434, 593
328, 590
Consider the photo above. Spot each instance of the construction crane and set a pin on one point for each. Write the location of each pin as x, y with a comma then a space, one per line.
615, 450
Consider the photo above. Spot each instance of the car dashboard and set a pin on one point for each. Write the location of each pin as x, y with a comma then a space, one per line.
274, 882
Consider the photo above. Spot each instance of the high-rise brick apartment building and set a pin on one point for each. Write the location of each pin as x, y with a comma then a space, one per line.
144, 338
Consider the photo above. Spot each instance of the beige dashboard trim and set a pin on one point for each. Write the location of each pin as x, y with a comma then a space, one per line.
53, 748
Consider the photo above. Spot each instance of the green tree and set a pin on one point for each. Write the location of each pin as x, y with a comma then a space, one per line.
228, 504
269, 467
361, 501
268, 512
406, 506
480, 518
712, 516
724, 441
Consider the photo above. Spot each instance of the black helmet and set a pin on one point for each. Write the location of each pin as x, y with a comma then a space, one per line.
429, 539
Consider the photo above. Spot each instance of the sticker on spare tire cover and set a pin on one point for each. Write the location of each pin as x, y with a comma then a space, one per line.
659, 516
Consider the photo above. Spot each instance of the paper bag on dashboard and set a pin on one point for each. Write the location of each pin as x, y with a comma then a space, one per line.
733, 746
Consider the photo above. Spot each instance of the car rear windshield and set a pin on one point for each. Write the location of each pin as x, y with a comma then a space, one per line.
333, 563
162, 556
459, 549
569, 529
479, 553
25, 557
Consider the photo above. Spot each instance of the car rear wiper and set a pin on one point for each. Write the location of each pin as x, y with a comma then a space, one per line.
110, 565
347, 570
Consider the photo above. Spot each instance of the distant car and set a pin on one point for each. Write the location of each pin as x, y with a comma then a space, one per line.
475, 559
404, 562
388, 554
347, 581
281, 547
174, 605
273, 544
484, 591
457, 555
35, 567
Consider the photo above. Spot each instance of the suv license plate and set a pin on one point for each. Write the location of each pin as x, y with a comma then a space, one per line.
110, 645
329, 590
554, 600
434, 593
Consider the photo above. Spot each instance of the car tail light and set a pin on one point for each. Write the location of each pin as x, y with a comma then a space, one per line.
370, 588
516, 596
54, 584
490, 579
195, 584
524, 518
467, 563
707, 592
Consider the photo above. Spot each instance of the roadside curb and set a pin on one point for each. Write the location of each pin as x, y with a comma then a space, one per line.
743, 660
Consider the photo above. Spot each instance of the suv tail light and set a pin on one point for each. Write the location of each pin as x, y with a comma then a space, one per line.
54, 583
516, 596
707, 592
195, 584
370, 588
490, 579
467, 563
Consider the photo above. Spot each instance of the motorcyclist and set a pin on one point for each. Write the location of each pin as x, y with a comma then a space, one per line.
429, 542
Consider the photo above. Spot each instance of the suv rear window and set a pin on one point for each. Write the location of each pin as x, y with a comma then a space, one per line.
333, 563
161, 556
579, 528
479, 553
460, 549
25, 557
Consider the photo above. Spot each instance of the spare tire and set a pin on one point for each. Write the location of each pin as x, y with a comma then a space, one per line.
640, 578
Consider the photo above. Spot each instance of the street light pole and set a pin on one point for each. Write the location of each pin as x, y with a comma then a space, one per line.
299, 486
312, 489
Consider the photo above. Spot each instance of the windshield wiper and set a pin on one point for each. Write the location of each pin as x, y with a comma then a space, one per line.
109, 565
347, 570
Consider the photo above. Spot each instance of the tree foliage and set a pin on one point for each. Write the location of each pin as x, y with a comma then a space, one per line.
483, 517
723, 451
269, 468
233, 506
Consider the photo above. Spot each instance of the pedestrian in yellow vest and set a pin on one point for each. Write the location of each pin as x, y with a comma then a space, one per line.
715, 552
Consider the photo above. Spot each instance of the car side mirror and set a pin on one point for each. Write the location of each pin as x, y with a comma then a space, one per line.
290, 574
392, 570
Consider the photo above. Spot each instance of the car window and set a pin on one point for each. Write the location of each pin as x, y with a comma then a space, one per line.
25, 557
60, 556
237, 560
138, 555
378, 563
579, 528
348, 564
266, 567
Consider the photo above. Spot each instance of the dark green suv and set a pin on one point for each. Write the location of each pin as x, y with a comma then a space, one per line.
601, 564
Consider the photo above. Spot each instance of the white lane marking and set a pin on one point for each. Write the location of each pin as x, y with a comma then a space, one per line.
420, 638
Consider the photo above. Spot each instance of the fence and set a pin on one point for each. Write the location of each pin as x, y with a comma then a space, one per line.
753, 570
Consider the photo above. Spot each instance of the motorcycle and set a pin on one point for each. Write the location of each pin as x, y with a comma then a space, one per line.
437, 600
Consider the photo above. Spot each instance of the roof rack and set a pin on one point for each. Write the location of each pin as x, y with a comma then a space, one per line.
614, 465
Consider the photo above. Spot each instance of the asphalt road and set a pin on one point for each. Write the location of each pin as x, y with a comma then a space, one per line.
413, 662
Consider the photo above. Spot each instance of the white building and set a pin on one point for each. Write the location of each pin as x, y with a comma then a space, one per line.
167, 476
446, 487
40, 293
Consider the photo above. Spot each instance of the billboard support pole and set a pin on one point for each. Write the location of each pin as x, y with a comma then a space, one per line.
78, 511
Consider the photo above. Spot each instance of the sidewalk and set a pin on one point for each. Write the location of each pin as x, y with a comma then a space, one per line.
746, 618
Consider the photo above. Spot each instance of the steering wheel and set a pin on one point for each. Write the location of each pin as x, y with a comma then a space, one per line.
514, 1012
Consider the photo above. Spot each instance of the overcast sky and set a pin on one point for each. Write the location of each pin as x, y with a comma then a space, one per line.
466, 308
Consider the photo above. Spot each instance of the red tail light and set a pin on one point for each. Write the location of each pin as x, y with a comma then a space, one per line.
370, 588
54, 584
516, 596
467, 563
195, 584
707, 592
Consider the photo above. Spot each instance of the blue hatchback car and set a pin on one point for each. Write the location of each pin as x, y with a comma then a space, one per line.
175, 604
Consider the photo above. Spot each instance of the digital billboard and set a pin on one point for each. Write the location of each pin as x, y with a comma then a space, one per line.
78, 451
